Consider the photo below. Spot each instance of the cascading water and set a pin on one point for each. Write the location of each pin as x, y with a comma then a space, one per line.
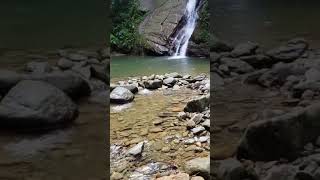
181, 40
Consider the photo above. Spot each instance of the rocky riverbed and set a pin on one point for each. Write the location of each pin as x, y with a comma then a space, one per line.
52, 106
160, 127
266, 111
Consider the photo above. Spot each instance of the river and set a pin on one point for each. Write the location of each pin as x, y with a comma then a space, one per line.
267, 22
128, 66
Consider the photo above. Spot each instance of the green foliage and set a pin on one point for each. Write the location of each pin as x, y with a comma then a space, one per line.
126, 18
203, 22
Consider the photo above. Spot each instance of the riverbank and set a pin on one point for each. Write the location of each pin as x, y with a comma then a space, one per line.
273, 96
163, 127
52, 109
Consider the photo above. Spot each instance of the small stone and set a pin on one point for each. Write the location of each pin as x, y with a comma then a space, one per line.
116, 176
165, 149
189, 141
197, 178
203, 139
309, 147
158, 122
136, 150
198, 130
156, 130
206, 123
197, 118
182, 115
191, 124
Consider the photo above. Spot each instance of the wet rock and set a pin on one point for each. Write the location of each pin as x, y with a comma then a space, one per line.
198, 130
197, 178
198, 104
48, 107
182, 115
176, 88
231, 169
136, 150
38, 67
280, 137
65, 64
189, 141
290, 51
258, 61
8, 79
244, 49
197, 118
281, 172
116, 176
83, 71
216, 80
170, 81
153, 84
206, 124
203, 139
173, 75
134, 89
76, 57
99, 97
237, 65
100, 72
199, 166
121, 95
156, 130
68, 82
190, 124
179, 176
312, 75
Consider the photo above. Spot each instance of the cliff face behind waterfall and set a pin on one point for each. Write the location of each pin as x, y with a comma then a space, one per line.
149, 27
164, 19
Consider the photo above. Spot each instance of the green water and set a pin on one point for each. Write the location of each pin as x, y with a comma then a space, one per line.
128, 66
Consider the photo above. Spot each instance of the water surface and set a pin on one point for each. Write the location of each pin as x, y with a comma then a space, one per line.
128, 66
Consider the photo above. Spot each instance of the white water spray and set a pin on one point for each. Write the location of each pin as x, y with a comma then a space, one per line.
181, 41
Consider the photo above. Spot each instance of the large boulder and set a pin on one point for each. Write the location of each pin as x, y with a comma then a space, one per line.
36, 104
70, 83
237, 65
282, 136
153, 84
121, 95
244, 49
198, 104
290, 51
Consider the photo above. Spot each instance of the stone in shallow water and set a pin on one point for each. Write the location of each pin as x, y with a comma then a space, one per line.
200, 166
156, 130
198, 130
136, 150
121, 95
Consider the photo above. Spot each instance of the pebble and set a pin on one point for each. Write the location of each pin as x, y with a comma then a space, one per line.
198, 130
156, 130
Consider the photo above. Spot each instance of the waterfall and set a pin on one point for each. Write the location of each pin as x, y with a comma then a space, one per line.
181, 40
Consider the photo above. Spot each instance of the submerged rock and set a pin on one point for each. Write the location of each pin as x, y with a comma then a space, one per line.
35, 104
